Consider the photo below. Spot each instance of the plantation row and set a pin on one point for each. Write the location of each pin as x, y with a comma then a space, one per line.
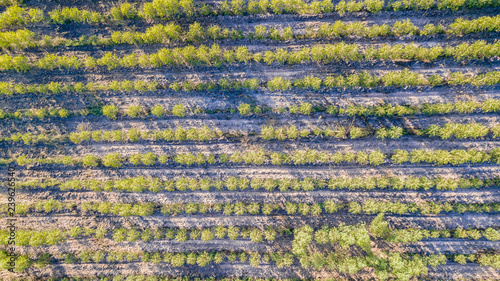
53, 237
215, 56
165, 34
385, 110
150, 184
396, 263
240, 208
364, 79
170, 9
256, 235
175, 259
261, 157
459, 131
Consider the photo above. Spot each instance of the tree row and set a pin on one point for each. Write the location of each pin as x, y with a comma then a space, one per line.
112, 111
173, 9
362, 79
262, 157
238, 209
166, 34
151, 184
448, 130
217, 57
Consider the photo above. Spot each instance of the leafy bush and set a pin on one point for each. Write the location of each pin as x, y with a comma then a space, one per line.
134, 111
166, 9
110, 111
179, 110
123, 11
215, 56
245, 109
113, 160
158, 110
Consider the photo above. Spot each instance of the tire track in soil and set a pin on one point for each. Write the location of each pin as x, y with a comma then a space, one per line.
449, 221
482, 171
210, 197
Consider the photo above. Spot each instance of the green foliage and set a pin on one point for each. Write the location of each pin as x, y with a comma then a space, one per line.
15, 15
134, 111
278, 83
90, 161
179, 110
166, 9
302, 237
67, 15
173, 32
379, 227
300, 157
110, 111
123, 11
245, 109
140, 184
113, 160
158, 110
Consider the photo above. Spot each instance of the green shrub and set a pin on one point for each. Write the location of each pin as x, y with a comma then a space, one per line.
110, 111
113, 160
376, 158
149, 159
90, 161
400, 156
22, 263
179, 110
356, 132
245, 109
158, 110
134, 110
461, 259
306, 108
